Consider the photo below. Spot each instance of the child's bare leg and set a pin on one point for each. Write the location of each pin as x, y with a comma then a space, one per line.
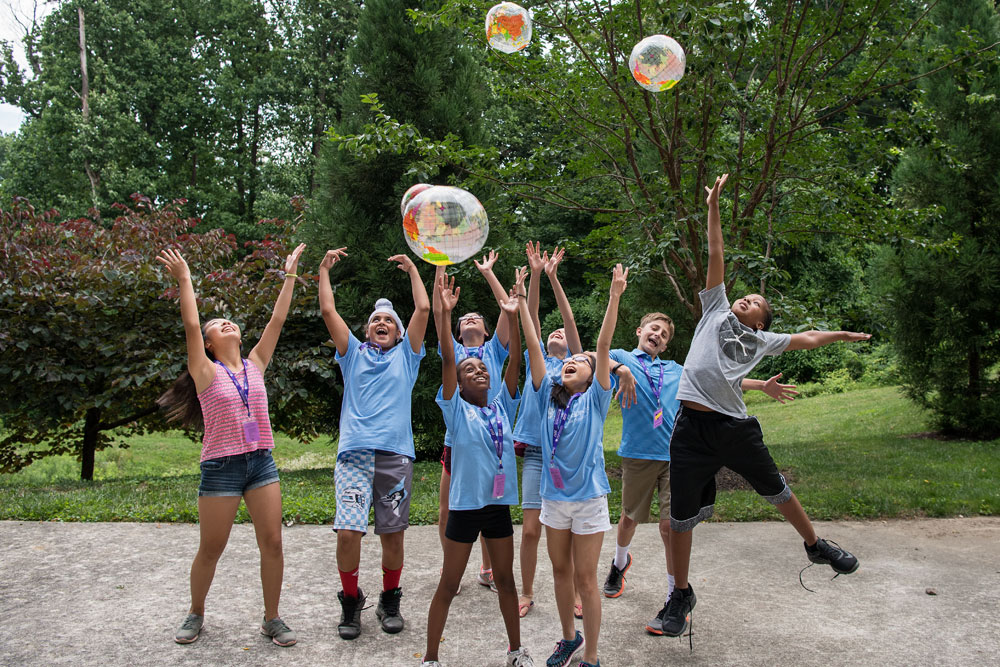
502, 551
560, 545
443, 504
586, 552
456, 557
680, 550
531, 533
792, 510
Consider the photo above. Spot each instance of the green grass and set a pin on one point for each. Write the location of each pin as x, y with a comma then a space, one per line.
850, 455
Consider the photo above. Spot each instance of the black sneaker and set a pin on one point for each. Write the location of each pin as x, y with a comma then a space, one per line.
614, 585
677, 613
388, 610
350, 615
830, 553
655, 627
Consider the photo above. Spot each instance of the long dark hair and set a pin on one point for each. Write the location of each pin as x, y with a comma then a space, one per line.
180, 403
560, 395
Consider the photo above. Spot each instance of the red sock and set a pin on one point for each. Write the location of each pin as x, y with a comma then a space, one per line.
390, 578
349, 581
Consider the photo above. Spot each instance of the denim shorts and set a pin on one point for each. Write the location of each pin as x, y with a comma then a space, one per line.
236, 474
531, 479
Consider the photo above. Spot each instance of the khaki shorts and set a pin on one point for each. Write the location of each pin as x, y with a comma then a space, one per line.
640, 477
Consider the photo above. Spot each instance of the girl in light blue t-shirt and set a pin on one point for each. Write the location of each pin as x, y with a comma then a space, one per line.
574, 484
483, 480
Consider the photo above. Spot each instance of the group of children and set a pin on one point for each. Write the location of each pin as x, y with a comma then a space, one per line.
680, 426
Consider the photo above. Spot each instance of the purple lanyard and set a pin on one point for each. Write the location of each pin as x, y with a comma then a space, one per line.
657, 389
243, 391
476, 352
372, 346
562, 416
495, 426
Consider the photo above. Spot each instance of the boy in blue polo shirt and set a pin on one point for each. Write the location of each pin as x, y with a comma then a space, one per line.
375, 451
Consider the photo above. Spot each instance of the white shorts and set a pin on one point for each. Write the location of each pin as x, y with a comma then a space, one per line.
580, 517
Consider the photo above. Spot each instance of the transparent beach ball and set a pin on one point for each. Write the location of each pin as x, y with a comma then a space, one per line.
657, 63
410, 194
445, 225
508, 27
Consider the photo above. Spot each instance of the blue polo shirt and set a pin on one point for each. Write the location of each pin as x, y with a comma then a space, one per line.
474, 461
493, 355
640, 440
580, 454
378, 388
528, 426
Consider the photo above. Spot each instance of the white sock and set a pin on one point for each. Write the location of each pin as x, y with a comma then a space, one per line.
621, 556
670, 586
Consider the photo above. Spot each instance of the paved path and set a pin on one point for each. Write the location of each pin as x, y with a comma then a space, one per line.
95, 594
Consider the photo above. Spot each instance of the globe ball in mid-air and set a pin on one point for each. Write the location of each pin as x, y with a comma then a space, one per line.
412, 192
657, 63
445, 225
508, 27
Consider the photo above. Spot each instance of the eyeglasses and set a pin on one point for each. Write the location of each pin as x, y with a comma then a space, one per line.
579, 358
470, 318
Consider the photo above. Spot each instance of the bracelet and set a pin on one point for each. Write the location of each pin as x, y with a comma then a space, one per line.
291, 275
615, 369
522, 296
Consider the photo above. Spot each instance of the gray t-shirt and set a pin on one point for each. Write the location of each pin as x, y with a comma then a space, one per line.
722, 353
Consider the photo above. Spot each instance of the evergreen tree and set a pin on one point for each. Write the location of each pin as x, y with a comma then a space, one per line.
944, 304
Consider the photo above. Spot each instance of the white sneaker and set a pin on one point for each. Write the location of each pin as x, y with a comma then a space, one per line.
430, 663
485, 579
519, 658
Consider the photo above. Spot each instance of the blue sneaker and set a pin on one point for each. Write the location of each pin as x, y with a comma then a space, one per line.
565, 650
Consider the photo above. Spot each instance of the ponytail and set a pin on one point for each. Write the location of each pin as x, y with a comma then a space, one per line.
180, 403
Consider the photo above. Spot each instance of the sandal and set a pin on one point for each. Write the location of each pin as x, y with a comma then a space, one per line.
524, 607
578, 610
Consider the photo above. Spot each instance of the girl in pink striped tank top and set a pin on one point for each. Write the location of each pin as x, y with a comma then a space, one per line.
225, 393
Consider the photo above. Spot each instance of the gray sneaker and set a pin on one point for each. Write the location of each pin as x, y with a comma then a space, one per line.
190, 629
279, 633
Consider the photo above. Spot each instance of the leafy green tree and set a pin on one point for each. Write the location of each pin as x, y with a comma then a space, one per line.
944, 303
92, 333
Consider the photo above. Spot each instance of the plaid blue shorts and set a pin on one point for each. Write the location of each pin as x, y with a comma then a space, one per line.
366, 479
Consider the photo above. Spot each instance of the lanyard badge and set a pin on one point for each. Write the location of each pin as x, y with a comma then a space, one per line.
562, 416
251, 431
658, 414
494, 425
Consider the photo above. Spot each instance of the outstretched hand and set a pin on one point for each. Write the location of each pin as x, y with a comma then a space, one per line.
713, 192
535, 260
292, 261
854, 337
174, 261
403, 263
447, 292
519, 275
510, 305
626, 387
782, 393
487, 263
552, 264
332, 257
619, 280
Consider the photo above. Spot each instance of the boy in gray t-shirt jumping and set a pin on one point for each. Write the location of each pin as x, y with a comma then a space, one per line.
713, 430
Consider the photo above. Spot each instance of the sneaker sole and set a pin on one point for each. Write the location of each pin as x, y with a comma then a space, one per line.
655, 631
854, 569
178, 640
277, 643
687, 624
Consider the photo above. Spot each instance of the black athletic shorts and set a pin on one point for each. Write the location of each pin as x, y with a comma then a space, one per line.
493, 521
701, 444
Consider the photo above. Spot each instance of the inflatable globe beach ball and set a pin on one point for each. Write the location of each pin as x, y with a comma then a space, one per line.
445, 225
657, 63
508, 27
410, 194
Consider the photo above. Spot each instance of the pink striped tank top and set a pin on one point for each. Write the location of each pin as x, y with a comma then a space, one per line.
225, 413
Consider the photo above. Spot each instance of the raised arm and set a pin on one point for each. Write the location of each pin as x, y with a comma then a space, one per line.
716, 247
444, 337
513, 372
264, 349
619, 281
530, 336
499, 293
537, 264
335, 324
782, 393
417, 327
446, 295
810, 340
199, 365
573, 342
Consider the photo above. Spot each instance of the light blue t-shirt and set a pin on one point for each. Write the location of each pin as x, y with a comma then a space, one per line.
580, 454
474, 461
640, 440
378, 387
529, 417
493, 354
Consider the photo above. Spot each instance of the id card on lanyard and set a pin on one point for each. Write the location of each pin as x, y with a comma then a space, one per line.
562, 416
494, 424
251, 431
658, 412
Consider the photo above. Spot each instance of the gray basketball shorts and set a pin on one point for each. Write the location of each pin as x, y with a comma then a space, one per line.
366, 479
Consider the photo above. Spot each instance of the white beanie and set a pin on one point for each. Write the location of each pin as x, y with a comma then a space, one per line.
385, 306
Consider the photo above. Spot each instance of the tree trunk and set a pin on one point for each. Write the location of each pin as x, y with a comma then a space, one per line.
85, 102
91, 427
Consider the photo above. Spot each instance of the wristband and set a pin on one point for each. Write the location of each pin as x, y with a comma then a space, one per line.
291, 275
616, 367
